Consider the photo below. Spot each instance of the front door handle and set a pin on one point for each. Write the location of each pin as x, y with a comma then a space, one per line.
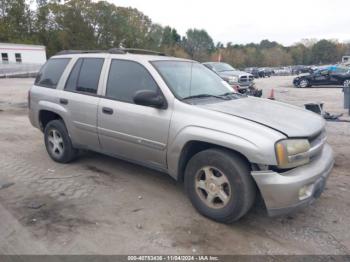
107, 110
63, 101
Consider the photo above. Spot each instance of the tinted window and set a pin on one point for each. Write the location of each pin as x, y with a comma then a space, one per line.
18, 57
341, 70
72, 81
51, 72
4, 57
85, 75
222, 67
126, 78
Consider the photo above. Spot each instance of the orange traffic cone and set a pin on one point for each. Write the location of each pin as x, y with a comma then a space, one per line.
272, 94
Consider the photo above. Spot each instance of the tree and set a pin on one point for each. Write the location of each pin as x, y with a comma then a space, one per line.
106, 24
268, 44
276, 56
198, 44
170, 36
15, 21
88, 24
324, 52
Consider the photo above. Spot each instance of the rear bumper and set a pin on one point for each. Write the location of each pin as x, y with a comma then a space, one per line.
283, 192
246, 84
32, 119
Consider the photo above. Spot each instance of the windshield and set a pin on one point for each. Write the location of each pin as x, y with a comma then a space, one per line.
221, 67
188, 79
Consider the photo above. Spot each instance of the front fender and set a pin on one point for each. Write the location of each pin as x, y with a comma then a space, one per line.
262, 153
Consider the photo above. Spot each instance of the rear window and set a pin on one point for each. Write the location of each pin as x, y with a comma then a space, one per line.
51, 72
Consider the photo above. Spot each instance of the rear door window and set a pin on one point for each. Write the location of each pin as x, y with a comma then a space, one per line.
85, 75
51, 72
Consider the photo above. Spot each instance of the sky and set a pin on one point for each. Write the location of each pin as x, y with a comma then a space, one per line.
246, 21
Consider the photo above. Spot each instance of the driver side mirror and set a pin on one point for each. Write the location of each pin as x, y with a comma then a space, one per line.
149, 98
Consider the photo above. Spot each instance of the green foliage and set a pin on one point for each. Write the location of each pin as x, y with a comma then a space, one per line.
87, 24
15, 21
198, 44
273, 54
324, 52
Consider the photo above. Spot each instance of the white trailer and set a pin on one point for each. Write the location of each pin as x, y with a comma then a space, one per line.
346, 59
20, 53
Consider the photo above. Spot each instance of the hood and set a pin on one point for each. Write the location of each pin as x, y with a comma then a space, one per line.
287, 119
233, 73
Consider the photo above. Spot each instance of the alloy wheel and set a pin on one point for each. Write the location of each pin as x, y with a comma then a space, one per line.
56, 144
213, 187
303, 83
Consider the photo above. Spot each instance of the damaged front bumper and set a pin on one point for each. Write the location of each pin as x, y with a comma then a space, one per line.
298, 187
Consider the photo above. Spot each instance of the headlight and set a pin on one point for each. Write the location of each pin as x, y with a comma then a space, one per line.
233, 80
292, 152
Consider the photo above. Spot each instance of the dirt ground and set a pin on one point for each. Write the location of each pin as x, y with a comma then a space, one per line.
101, 205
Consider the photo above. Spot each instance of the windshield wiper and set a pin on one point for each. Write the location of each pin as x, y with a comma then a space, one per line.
227, 70
231, 94
204, 96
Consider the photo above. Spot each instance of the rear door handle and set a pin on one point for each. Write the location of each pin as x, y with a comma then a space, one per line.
107, 110
63, 101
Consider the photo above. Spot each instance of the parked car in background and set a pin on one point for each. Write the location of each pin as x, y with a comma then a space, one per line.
253, 70
242, 81
176, 116
266, 72
324, 76
301, 69
283, 71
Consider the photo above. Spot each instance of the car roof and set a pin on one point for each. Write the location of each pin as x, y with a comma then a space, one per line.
126, 56
213, 63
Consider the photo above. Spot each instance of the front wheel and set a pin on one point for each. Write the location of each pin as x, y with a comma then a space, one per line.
219, 185
346, 83
304, 83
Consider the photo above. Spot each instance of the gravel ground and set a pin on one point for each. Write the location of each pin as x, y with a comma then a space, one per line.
101, 205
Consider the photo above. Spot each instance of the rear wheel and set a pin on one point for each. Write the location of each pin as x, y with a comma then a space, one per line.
219, 185
58, 143
346, 83
304, 83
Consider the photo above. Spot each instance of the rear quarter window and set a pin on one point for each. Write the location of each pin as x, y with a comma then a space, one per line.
85, 75
51, 72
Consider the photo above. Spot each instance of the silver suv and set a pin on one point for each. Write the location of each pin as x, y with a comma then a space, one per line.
179, 117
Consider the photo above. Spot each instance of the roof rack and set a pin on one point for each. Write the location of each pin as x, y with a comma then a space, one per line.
72, 52
112, 51
135, 51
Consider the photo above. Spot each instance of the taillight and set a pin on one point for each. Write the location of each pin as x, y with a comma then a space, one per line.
29, 98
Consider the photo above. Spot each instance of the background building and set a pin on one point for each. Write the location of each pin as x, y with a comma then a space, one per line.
19, 53
346, 59
20, 60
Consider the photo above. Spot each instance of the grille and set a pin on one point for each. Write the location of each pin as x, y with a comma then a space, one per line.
243, 79
246, 79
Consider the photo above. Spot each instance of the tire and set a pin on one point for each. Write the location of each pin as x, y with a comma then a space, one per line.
346, 83
58, 143
304, 83
238, 185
